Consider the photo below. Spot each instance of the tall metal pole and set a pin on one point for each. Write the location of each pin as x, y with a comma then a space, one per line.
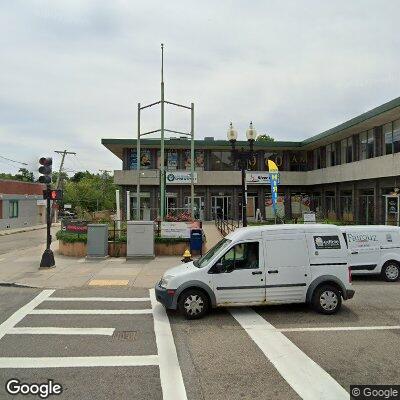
244, 194
138, 167
162, 167
192, 162
48, 255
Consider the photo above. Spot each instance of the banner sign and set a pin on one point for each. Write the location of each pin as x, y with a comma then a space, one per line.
258, 178
198, 158
180, 177
273, 180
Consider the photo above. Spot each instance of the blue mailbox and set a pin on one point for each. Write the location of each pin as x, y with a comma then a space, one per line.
196, 240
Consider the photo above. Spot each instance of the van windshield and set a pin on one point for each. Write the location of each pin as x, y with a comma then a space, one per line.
203, 261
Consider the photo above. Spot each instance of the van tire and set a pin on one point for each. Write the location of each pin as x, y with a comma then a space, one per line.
193, 303
327, 299
389, 273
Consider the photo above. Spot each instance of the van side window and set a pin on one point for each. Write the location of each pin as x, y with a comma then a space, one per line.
241, 256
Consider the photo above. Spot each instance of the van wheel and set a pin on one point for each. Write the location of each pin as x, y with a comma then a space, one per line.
390, 271
193, 304
327, 299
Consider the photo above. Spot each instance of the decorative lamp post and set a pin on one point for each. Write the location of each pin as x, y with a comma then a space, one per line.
242, 157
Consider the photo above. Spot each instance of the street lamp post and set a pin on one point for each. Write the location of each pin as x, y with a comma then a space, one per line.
242, 157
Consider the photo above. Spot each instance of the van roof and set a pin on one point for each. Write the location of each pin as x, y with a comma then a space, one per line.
369, 228
257, 231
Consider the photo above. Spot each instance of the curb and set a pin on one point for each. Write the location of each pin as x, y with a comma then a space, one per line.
6, 233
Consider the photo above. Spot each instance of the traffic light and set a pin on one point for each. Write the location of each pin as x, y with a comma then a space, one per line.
52, 194
45, 170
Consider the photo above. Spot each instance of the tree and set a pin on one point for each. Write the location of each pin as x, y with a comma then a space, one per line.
24, 175
265, 139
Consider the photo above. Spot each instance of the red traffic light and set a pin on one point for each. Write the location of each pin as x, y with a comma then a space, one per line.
46, 161
52, 194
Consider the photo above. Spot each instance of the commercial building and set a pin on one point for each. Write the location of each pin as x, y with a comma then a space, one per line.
350, 172
21, 204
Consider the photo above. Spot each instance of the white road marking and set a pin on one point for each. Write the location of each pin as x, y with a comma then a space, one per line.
91, 312
341, 328
305, 376
68, 362
172, 384
21, 313
60, 331
98, 299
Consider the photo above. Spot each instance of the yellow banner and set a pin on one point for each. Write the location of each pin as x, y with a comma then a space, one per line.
272, 167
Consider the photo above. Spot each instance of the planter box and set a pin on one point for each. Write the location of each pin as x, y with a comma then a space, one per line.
76, 249
116, 249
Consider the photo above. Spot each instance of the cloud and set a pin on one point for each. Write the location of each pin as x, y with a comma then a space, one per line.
73, 71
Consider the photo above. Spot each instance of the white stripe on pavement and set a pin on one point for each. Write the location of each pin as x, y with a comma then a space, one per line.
60, 331
172, 384
305, 376
341, 328
23, 312
91, 312
65, 362
98, 299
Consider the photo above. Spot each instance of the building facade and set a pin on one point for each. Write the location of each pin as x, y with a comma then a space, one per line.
350, 173
21, 204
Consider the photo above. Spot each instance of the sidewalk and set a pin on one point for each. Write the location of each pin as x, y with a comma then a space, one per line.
5, 232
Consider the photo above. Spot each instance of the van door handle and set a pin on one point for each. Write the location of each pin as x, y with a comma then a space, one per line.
273, 271
256, 273
354, 252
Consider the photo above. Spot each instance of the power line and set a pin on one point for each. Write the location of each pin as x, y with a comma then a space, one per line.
9, 159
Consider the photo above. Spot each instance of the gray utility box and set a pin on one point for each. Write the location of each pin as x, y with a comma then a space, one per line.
97, 241
140, 239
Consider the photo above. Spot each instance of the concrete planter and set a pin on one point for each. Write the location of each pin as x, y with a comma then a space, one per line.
75, 249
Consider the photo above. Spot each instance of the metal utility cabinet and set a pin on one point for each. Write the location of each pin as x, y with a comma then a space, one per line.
97, 240
140, 239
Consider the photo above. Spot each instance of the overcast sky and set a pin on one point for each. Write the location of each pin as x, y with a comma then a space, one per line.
73, 71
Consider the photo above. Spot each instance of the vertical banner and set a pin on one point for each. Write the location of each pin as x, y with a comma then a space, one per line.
273, 180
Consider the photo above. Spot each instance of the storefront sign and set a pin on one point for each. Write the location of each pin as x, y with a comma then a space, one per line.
180, 177
175, 230
258, 178
75, 226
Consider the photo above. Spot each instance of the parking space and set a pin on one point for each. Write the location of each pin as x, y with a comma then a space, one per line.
107, 342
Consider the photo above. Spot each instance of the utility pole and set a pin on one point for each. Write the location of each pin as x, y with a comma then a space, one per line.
64, 153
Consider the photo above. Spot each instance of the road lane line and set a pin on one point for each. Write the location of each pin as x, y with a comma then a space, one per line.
305, 376
73, 362
172, 384
98, 299
21, 313
60, 331
341, 328
91, 312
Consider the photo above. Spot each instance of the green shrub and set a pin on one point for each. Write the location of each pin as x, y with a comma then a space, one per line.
71, 237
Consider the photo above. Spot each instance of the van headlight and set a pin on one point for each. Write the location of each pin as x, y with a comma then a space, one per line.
163, 282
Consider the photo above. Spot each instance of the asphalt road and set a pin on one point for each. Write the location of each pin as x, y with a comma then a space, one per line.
23, 240
217, 356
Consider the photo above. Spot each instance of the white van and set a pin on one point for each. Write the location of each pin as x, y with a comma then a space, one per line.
263, 265
374, 249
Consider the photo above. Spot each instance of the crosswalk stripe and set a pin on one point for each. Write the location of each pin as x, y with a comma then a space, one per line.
49, 330
304, 375
65, 362
98, 299
341, 328
171, 378
90, 312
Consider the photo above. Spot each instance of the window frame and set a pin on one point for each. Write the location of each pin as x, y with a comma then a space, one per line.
234, 260
13, 209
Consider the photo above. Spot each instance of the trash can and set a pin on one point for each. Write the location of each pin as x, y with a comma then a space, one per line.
97, 241
196, 240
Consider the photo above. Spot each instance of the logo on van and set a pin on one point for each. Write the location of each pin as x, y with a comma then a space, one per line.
361, 237
326, 242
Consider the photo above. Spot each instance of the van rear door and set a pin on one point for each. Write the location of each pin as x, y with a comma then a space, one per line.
287, 267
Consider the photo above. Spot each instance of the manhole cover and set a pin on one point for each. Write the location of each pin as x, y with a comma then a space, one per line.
124, 335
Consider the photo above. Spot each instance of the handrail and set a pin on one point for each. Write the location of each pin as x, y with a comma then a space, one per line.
226, 226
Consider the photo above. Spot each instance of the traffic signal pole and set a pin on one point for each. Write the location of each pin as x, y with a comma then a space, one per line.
48, 255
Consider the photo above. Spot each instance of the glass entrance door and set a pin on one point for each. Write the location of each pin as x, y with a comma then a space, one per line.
367, 209
220, 207
198, 206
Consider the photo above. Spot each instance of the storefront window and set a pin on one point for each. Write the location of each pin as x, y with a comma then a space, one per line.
346, 205
330, 205
198, 158
280, 207
221, 161
298, 161
145, 159
330, 155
